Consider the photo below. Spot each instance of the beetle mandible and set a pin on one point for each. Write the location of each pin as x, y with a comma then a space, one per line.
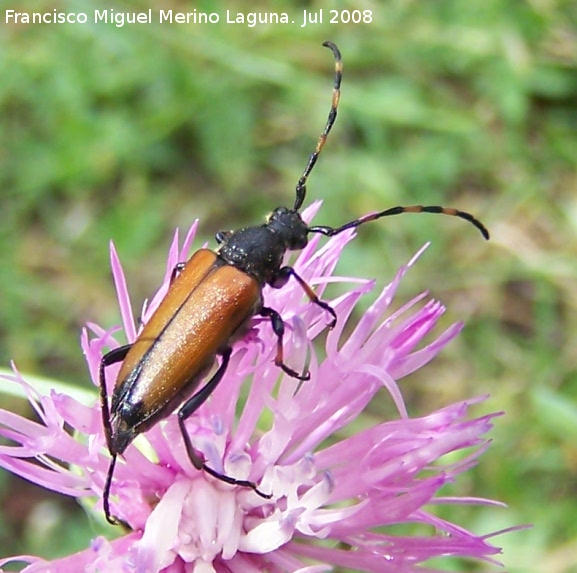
209, 304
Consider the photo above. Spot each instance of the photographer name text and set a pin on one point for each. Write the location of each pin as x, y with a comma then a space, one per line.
250, 19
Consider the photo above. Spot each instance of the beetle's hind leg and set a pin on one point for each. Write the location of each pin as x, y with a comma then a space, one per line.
191, 406
113, 357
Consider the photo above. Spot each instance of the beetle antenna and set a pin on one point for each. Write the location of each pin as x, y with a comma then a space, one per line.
301, 188
331, 231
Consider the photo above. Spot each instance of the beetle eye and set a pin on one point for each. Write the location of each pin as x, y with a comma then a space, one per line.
299, 242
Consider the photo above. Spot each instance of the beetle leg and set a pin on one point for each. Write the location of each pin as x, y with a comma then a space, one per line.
113, 357
223, 237
278, 328
178, 268
191, 406
112, 519
281, 278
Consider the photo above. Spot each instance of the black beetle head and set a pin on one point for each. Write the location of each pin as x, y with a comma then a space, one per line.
289, 225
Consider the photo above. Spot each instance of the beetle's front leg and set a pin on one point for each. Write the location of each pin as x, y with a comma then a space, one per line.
222, 237
282, 276
178, 268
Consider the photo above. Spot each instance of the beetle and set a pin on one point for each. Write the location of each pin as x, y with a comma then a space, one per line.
209, 304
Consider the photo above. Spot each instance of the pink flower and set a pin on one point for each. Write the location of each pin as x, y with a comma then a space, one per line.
332, 497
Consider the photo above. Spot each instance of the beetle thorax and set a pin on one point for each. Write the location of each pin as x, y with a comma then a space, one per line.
259, 251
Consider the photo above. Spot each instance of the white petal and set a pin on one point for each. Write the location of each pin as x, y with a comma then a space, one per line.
201, 566
161, 531
267, 536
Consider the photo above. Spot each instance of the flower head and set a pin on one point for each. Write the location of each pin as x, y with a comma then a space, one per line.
332, 498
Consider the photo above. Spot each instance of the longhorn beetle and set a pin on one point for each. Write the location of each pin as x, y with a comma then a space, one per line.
210, 301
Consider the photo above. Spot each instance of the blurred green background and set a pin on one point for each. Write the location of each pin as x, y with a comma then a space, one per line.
125, 133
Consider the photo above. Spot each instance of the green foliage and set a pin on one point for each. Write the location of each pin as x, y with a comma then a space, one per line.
125, 133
